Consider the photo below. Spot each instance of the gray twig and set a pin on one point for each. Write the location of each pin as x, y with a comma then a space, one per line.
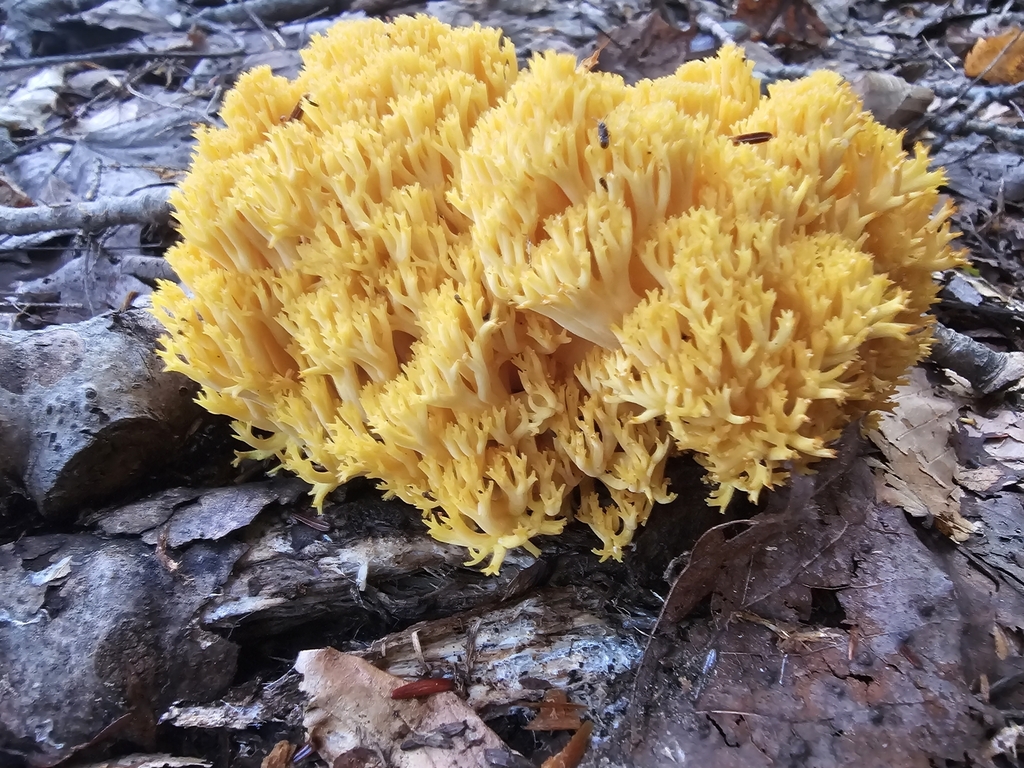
269, 10
990, 93
770, 74
148, 207
95, 57
987, 370
949, 126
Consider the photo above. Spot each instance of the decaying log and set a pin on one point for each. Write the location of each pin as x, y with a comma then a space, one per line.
103, 619
366, 560
375, 565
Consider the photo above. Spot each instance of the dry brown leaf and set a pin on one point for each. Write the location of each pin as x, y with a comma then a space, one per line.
757, 698
783, 21
12, 196
573, 752
922, 465
645, 46
1001, 643
998, 59
351, 713
1003, 434
591, 61
556, 713
279, 756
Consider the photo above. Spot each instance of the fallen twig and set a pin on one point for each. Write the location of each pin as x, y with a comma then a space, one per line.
371, 7
148, 207
269, 10
92, 58
12, 305
988, 92
770, 74
987, 370
949, 126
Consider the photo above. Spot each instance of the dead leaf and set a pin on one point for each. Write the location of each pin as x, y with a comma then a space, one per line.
1001, 644
556, 713
1003, 435
573, 752
892, 100
351, 711
648, 46
279, 756
998, 59
126, 14
1005, 742
28, 108
783, 22
12, 196
860, 580
591, 61
998, 113
921, 462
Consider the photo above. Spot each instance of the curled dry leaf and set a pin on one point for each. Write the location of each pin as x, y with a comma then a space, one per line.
998, 59
573, 752
351, 712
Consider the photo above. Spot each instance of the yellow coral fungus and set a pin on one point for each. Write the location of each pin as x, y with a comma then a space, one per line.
495, 291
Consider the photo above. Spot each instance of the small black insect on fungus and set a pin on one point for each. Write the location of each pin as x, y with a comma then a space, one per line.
603, 183
602, 134
757, 137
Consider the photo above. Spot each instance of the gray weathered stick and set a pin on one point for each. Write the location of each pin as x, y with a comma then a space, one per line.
148, 207
987, 370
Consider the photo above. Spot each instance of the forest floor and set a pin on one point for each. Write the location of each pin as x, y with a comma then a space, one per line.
164, 607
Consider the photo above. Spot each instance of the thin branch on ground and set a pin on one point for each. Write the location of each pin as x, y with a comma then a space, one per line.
148, 207
269, 10
13, 305
93, 58
770, 74
987, 370
990, 92
992, 130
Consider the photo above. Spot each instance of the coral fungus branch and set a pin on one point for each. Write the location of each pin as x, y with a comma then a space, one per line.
496, 291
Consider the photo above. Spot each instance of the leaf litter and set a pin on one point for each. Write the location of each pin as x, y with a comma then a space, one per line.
834, 627
826, 632
920, 471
